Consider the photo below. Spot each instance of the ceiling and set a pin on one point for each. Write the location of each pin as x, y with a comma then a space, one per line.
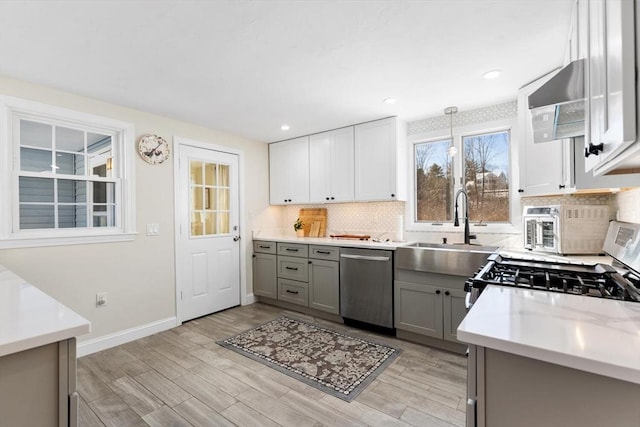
247, 67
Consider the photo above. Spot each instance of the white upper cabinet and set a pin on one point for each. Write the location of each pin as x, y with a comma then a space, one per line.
610, 82
544, 167
380, 160
331, 166
289, 171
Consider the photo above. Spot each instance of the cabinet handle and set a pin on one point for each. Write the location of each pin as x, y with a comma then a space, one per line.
438, 292
323, 252
560, 186
446, 293
264, 247
292, 268
333, 198
520, 190
291, 249
254, 255
326, 198
593, 149
393, 195
292, 292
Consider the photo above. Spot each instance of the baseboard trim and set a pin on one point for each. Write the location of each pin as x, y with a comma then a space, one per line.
117, 338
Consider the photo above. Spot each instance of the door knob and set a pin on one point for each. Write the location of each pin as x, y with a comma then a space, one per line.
236, 238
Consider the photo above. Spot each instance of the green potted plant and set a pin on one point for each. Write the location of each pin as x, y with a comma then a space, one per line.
297, 226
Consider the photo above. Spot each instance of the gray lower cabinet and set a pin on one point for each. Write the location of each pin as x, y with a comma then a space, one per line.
425, 309
38, 386
514, 390
418, 309
453, 311
306, 275
264, 275
265, 269
324, 285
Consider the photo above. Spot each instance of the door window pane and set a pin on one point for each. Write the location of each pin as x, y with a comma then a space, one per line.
196, 172
434, 181
209, 198
486, 176
210, 174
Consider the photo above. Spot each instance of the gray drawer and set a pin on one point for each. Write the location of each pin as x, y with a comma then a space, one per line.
293, 249
331, 253
294, 292
293, 268
263, 247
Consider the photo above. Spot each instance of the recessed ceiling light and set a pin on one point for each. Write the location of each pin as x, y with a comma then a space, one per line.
389, 101
285, 127
489, 75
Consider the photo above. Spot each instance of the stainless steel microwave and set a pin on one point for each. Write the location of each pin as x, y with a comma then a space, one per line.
565, 229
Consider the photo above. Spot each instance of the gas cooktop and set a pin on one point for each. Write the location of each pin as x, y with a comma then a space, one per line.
618, 282
597, 280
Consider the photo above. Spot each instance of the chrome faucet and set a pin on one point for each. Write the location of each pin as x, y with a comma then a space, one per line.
456, 222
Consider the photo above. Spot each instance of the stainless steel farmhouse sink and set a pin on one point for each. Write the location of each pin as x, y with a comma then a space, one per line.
454, 259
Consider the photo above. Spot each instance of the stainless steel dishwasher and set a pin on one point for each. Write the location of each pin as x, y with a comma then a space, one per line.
366, 288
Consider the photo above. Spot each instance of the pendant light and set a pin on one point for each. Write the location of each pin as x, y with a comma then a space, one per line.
450, 111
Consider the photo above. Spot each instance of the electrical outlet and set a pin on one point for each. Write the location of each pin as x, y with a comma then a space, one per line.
101, 299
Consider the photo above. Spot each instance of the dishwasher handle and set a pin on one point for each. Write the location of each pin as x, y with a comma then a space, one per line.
366, 258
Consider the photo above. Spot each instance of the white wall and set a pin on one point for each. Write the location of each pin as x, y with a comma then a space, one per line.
139, 276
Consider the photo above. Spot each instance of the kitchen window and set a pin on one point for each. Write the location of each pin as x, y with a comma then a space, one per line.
482, 167
66, 177
486, 176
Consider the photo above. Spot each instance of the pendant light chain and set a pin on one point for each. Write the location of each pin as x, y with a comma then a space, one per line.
450, 111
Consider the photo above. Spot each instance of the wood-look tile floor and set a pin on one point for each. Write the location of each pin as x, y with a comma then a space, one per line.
181, 377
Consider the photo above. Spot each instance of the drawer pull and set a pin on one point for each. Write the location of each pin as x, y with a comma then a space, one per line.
264, 247
292, 268
324, 252
291, 249
292, 292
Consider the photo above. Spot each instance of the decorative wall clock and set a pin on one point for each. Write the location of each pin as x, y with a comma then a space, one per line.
153, 149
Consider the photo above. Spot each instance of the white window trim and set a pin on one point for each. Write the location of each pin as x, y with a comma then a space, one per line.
514, 227
124, 150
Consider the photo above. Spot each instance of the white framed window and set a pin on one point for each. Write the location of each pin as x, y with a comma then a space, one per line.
484, 166
66, 177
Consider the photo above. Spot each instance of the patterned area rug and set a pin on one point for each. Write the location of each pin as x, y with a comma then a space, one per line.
330, 361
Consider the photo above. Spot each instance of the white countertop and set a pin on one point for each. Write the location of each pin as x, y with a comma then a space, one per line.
328, 241
30, 318
591, 334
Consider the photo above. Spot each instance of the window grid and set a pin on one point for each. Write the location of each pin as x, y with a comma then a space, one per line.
86, 215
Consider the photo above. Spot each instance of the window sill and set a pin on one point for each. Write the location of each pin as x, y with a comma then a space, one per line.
38, 241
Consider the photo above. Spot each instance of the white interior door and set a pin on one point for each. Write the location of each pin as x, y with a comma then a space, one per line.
208, 250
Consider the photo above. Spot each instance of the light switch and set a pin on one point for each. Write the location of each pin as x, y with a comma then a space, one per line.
153, 229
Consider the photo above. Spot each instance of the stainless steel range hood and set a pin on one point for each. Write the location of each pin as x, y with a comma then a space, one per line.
558, 106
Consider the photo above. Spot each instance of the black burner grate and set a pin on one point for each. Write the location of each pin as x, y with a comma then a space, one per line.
591, 280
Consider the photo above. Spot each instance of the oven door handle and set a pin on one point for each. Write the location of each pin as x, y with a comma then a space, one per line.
467, 301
